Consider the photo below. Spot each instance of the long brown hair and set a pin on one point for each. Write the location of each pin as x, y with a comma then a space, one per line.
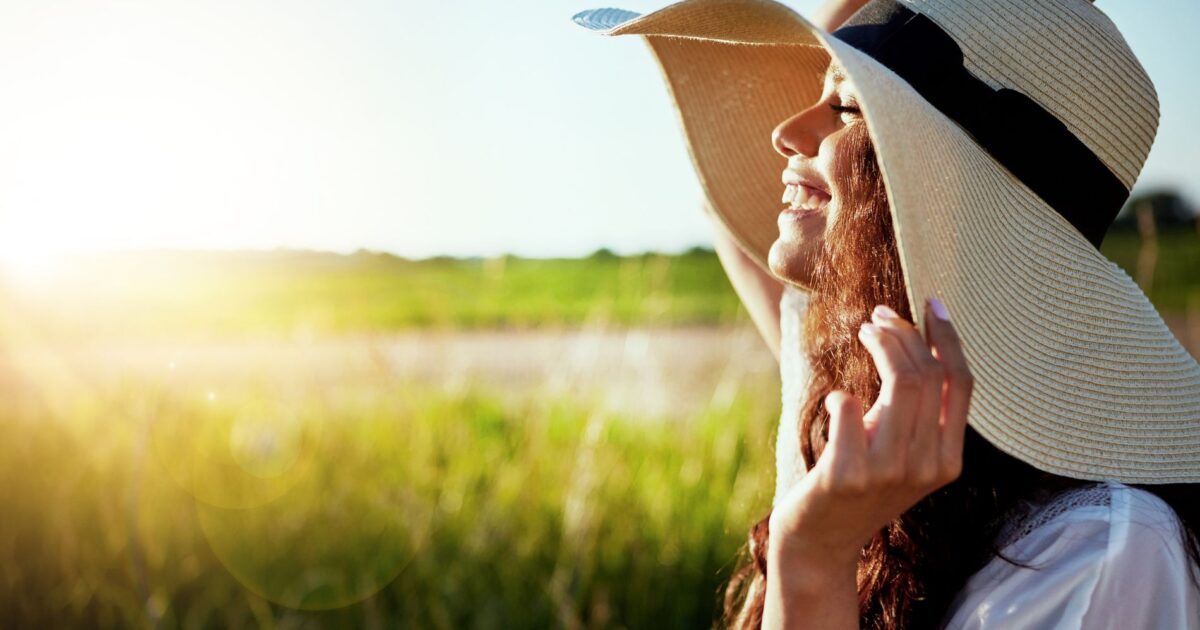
910, 571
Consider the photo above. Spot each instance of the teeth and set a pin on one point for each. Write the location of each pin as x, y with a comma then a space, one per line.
799, 199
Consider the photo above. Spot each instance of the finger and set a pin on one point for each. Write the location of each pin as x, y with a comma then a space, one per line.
846, 467
925, 429
959, 381
914, 345
898, 392
847, 437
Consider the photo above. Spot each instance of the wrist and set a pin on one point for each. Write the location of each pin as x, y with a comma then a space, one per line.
801, 575
810, 548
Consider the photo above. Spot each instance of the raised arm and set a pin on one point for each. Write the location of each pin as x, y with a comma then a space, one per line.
759, 291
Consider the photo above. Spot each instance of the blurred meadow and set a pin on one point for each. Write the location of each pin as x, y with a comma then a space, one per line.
298, 440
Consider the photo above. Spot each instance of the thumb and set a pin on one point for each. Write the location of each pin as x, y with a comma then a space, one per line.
847, 435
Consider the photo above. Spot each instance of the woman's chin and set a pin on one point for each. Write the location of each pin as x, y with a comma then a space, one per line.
787, 260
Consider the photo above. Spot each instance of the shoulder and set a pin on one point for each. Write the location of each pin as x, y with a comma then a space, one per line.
1102, 556
1109, 508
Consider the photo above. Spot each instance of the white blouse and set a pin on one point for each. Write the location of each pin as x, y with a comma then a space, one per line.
1103, 556
794, 373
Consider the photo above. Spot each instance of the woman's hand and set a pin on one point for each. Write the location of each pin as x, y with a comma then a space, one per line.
874, 465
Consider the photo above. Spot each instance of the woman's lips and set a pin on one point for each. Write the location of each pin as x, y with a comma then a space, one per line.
805, 197
797, 214
805, 177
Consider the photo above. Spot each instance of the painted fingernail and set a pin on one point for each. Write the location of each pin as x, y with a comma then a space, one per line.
868, 329
883, 312
939, 309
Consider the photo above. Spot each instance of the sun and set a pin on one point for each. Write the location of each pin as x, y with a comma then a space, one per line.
29, 263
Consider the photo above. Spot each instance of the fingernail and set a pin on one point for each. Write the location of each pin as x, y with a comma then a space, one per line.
939, 309
883, 312
868, 329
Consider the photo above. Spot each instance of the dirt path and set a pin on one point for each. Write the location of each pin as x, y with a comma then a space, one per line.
658, 372
655, 372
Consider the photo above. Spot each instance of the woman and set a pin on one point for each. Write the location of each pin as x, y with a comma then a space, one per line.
918, 561
938, 155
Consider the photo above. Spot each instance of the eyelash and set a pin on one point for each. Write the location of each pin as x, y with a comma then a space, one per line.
842, 109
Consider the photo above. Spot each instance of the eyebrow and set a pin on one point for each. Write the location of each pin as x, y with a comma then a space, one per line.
837, 73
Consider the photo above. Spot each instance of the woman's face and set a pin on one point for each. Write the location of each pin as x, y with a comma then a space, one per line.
812, 142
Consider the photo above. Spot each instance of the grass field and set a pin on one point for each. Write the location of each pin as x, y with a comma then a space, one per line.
373, 503
301, 294
325, 495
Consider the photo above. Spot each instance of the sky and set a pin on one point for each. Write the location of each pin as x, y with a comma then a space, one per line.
420, 128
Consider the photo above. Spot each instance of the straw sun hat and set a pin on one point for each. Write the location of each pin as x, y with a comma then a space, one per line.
1009, 133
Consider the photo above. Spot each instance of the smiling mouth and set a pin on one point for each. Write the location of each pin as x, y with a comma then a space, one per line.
805, 198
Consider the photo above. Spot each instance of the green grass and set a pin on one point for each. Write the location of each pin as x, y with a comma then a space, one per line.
1176, 281
374, 503
300, 294
278, 294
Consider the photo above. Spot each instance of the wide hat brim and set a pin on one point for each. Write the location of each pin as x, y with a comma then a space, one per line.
1075, 371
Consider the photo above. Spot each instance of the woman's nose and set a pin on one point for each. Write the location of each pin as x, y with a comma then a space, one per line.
800, 133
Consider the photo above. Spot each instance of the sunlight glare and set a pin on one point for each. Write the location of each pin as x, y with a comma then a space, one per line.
29, 264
